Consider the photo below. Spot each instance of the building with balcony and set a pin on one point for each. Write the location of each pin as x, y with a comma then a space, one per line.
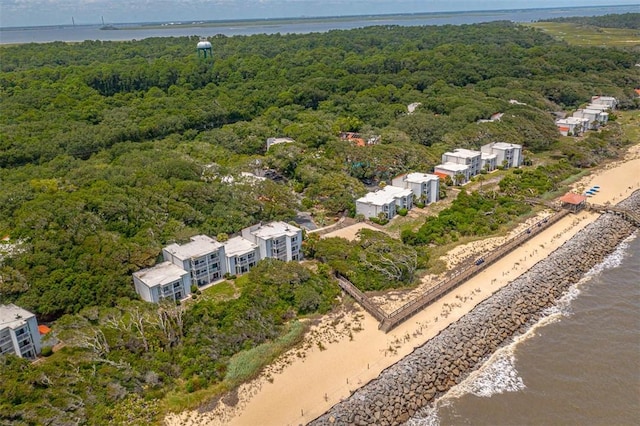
241, 255
608, 101
276, 240
162, 281
596, 117
467, 157
203, 257
386, 200
458, 172
572, 126
425, 187
507, 154
488, 162
19, 333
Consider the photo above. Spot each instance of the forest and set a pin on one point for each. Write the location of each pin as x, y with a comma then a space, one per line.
623, 20
111, 150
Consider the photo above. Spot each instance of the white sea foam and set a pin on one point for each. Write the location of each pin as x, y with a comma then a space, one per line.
614, 259
499, 374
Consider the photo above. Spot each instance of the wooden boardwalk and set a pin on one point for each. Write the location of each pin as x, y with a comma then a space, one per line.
627, 214
389, 321
460, 275
361, 298
407, 311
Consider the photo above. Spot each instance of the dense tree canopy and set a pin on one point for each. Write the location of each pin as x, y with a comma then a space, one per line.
111, 150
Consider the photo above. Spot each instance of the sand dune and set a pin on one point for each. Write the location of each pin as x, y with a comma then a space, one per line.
307, 381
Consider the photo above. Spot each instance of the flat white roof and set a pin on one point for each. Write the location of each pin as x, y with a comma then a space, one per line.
416, 177
453, 167
599, 107
200, 245
273, 141
487, 156
463, 153
274, 230
237, 246
603, 98
386, 195
591, 111
571, 120
504, 145
12, 316
160, 274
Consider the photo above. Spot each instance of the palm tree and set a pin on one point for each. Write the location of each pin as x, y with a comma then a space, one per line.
459, 178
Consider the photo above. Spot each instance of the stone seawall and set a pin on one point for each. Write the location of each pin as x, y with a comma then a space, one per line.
445, 360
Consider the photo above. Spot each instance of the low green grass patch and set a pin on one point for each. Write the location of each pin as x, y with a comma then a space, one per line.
583, 35
630, 122
178, 400
246, 365
243, 367
222, 291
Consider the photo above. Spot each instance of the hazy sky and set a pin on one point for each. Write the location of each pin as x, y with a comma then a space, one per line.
55, 12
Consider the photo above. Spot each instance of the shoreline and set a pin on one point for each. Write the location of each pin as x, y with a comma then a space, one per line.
448, 359
356, 352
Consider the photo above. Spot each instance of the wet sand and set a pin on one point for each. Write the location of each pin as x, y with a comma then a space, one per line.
307, 381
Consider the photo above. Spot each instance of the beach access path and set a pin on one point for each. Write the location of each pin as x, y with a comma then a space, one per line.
298, 389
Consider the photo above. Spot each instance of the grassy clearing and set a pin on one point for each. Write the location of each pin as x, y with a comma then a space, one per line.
225, 290
178, 400
630, 122
243, 367
246, 365
582, 35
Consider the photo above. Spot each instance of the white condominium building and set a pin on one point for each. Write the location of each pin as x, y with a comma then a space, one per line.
507, 154
386, 200
241, 255
203, 257
454, 171
19, 333
424, 186
466, 157
162, 281
277, 240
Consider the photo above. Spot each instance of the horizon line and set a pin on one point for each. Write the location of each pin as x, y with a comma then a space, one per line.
303, 17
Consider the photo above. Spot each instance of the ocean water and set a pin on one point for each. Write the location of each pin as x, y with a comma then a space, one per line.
78, 33
579, 365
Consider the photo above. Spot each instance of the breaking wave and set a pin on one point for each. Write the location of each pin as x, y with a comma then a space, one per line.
499, 374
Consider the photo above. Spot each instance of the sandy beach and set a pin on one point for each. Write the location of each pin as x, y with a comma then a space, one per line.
346, 349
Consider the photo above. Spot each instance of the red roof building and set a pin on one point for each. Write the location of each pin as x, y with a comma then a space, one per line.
573, 201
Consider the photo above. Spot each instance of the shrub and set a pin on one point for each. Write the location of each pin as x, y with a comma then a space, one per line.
47, 351
403, 211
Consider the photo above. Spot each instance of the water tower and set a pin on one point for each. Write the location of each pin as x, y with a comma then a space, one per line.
204, 49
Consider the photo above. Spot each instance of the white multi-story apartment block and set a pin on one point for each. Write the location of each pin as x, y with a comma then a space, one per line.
19, 333
466, 157
596, 117
241, 255
203, 257
162, 281
203, 260
609, 101
277, 240
507, 154
454, 171
572, 125
424, 186
387, 200
488, 162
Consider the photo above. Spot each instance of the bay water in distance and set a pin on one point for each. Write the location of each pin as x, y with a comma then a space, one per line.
579, 365
138, 31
